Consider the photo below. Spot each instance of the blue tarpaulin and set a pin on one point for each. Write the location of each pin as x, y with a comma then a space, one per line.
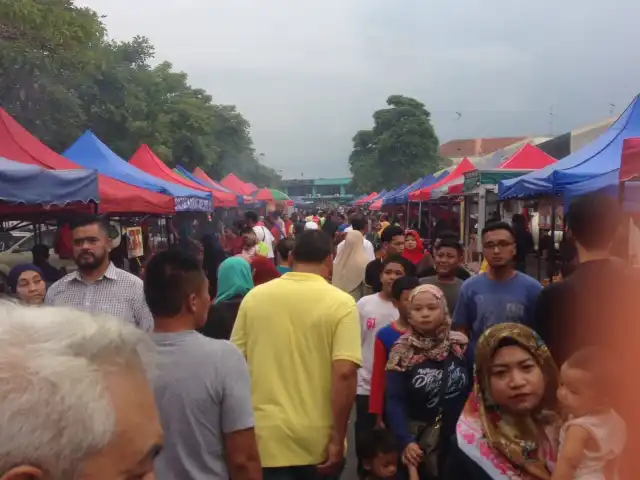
594, 160
89, 152
32, 185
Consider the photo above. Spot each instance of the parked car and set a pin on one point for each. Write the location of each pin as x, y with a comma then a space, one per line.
15, 248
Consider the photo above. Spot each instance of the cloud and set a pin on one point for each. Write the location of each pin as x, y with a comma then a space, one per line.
309, 74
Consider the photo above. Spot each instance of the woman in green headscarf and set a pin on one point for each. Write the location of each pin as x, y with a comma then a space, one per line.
234, 282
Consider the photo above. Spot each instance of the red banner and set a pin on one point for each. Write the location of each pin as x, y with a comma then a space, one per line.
630, 160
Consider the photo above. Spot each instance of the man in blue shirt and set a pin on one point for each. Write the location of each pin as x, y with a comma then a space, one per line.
500, 295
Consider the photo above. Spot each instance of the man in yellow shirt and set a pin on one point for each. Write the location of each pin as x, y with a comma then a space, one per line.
301, 338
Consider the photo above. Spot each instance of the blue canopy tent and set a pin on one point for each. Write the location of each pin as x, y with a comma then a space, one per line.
596, 159
402, 196
31, 185
608, 184
384, 200
242, 200
89, 152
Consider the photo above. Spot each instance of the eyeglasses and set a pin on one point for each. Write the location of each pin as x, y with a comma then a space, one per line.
499, 245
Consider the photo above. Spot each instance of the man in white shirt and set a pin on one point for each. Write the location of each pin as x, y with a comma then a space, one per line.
359, 224
262, 232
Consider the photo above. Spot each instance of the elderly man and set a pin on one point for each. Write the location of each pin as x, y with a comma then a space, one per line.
75, 401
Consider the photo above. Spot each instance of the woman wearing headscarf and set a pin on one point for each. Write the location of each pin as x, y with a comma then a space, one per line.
427, 383
263, 269
26, 282
213, 256
414, 251
234, 282
508, 429
350, 266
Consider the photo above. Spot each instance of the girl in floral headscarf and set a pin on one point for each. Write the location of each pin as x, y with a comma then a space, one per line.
427, 382
508, 429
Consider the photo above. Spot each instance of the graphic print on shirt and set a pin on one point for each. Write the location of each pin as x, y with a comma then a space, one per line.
495, 309
371, 323
429, 380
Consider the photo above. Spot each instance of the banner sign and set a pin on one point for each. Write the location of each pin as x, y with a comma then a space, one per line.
192, 204
135, 242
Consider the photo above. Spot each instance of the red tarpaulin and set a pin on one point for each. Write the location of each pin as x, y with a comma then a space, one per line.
116, 197
630, 160
234, 184
425, 194
147, 161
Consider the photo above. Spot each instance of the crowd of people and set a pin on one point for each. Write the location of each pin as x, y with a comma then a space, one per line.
246, 359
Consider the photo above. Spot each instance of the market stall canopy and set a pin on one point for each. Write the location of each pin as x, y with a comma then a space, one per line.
403, 196
425, 193
33, 185
234, 184
366, 199
379, 202
147, 161
593, 160
116, 197
271, 195
202, 176
609, 183
89, 152
529, 158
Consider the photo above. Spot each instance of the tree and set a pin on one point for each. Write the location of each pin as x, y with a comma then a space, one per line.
400, 148
60, 76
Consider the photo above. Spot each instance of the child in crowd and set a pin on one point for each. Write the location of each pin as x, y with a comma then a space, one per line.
448, 255
385, 338
250, 244
283, 249
376, 311
593, 435
379, 454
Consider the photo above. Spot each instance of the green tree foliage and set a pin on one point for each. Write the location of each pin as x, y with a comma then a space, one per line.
400, 148
59, 76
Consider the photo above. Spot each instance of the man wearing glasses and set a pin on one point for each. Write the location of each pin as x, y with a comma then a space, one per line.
500, 295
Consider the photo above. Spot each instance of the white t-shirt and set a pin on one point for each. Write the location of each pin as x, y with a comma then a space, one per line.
375, 313
264, 236
368, 248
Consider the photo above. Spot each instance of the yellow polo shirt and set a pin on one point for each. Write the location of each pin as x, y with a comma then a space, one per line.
290, 330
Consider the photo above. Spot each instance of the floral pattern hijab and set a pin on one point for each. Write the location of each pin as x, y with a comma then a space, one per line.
486, 435
414, 347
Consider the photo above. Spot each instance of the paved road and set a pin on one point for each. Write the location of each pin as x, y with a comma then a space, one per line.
351, 469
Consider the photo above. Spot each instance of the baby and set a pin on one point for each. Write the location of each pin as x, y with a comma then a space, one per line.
593, 434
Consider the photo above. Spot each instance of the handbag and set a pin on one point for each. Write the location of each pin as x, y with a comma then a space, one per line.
428, 436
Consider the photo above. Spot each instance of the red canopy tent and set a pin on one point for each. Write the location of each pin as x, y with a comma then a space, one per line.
366, 199
147, 161
234, 184
425, 194
529, 158
200, 174
116, 197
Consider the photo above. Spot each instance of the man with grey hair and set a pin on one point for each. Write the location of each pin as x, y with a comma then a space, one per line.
75, 400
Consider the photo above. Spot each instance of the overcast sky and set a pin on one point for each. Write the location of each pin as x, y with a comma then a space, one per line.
308, 74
